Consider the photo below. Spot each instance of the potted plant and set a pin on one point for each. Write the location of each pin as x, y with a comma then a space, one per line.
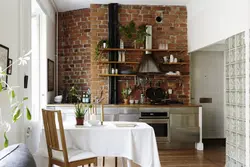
141, 34
127, 32
80, 111
101, 44
73, 96
126, 93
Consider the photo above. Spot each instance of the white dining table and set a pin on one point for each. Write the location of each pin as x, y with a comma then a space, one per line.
137, 144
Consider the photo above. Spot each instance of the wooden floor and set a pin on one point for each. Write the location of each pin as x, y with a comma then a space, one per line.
210, 157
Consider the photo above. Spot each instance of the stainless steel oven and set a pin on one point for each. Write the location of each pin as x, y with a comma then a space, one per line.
160, 123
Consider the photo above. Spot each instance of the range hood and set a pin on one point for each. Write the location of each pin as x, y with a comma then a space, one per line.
148, 64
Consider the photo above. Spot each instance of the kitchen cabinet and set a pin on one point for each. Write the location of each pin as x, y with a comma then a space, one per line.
184, 126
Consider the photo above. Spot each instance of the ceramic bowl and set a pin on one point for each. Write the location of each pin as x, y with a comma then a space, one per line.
58, 99
136, 101
94, 122
131, 101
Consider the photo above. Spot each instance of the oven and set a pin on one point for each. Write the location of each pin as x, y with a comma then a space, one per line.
159, 121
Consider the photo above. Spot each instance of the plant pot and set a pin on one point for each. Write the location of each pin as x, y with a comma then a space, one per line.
79, 121
125, 101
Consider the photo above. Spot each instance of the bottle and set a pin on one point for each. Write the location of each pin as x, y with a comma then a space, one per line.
142, 99
87, 98
84, 97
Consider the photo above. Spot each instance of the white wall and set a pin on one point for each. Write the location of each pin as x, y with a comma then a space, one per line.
48, 9
9, 36
15, 33
207, 81
210, 21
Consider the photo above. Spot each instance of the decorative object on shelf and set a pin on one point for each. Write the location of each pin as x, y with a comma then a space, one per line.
58, 99
165, 59
121, 44
142, 99
126, 93
130, 32
171, 59
123, 57
9, 70
112, 71
175, 60
73, 96
51, 76
131, 101
178, 73
136, 101
116, 71
127, 31
141, 34
100, 45
17, 105
80, 112
119, 56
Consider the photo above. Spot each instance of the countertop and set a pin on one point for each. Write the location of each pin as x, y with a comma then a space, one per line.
133, 105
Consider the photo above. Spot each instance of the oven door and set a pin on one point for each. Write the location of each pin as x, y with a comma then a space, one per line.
161, 128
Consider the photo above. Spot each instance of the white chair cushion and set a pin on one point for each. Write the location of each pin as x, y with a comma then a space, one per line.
73, 155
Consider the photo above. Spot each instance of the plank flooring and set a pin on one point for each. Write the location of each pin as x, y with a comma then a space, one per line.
210, 157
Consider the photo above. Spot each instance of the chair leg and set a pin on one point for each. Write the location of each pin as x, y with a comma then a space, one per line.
116, 161
103, 161
50, 164
96, 161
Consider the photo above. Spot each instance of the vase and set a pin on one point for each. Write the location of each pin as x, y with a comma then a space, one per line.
125, 101
79, 121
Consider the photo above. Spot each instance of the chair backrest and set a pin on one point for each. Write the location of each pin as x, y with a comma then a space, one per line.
49, 121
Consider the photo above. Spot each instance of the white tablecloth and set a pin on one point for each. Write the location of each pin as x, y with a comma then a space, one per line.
135, 143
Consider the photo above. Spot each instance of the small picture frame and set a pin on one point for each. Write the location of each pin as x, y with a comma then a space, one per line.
9, 70
51, 76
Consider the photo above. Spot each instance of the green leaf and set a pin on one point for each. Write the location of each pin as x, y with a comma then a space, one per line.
1, 87
16, 115
6, 141
28, 114
13, 95
25, 98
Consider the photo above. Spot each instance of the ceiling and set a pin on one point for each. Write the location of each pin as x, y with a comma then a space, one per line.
67, 5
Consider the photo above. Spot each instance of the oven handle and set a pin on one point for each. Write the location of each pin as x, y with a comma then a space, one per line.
154, 121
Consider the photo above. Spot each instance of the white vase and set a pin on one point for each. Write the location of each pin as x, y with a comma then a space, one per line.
121, 44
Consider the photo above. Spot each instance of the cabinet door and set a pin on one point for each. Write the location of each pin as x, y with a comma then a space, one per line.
184, 128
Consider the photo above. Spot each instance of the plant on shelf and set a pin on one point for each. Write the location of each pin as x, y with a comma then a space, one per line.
73, 96
127, 31
101, 44
126, 93
141, 34
130, 32
17, 105
80, 112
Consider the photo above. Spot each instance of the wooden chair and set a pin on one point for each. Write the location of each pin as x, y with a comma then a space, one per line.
62, 157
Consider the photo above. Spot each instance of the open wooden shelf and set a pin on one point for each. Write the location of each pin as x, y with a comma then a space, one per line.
118, 62
177, 76
117, 75
141, 50
178, 63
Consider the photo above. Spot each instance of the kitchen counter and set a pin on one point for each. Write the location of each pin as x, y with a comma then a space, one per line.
184, 120
133, 105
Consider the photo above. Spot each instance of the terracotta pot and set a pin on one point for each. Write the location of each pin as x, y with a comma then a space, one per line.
79, 121
125, 101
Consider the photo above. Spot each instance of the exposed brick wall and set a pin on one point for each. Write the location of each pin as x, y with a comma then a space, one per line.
74, 50
99, 31
173, 30
95, 22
